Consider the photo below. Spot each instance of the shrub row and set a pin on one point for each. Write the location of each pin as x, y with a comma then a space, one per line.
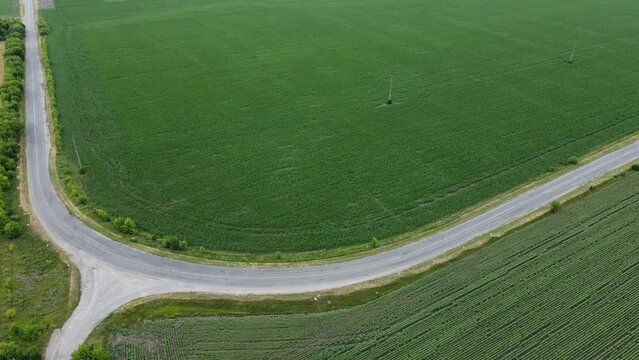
127, 226
173, 243
72, 189
11, 95
48, 77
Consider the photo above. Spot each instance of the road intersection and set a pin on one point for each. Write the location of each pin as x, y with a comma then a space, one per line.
113, 274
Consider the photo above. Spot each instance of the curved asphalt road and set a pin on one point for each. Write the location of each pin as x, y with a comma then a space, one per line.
113, 274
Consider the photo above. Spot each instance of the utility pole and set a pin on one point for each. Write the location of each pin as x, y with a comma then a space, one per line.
390, 92
572, 56
77, 154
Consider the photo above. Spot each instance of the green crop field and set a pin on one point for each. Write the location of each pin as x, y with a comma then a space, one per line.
258, 126
9, 8
564, 287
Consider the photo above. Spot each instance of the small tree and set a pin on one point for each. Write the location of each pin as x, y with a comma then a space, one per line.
13, 229
183, 245
172, 243
125, 225
129, 226
90, 352
374, 243
555, 206
43, 28
26, 332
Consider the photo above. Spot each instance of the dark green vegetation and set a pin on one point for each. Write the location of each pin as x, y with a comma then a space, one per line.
258, 126
562, 287
90, 352
11, 125
34, 283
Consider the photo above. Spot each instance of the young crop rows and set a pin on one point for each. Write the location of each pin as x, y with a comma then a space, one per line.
261, 126
9, 8
564, 287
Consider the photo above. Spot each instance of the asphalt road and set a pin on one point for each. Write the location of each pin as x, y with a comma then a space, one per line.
113, 274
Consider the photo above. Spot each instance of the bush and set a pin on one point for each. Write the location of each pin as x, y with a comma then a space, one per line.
43, 27
14, 46
173, 243
32, 353
169, 242
90, 352
635, 167
374, 243
13, 229
26, 332
14, 67
10, 313
125, 225
16, 27
103, 215
11, 94
573, 160
555, 206
183, 245
73, 190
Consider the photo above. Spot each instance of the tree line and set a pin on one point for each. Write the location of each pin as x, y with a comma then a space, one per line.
12, 33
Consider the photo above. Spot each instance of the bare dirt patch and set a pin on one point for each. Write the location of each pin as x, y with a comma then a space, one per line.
46, 4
